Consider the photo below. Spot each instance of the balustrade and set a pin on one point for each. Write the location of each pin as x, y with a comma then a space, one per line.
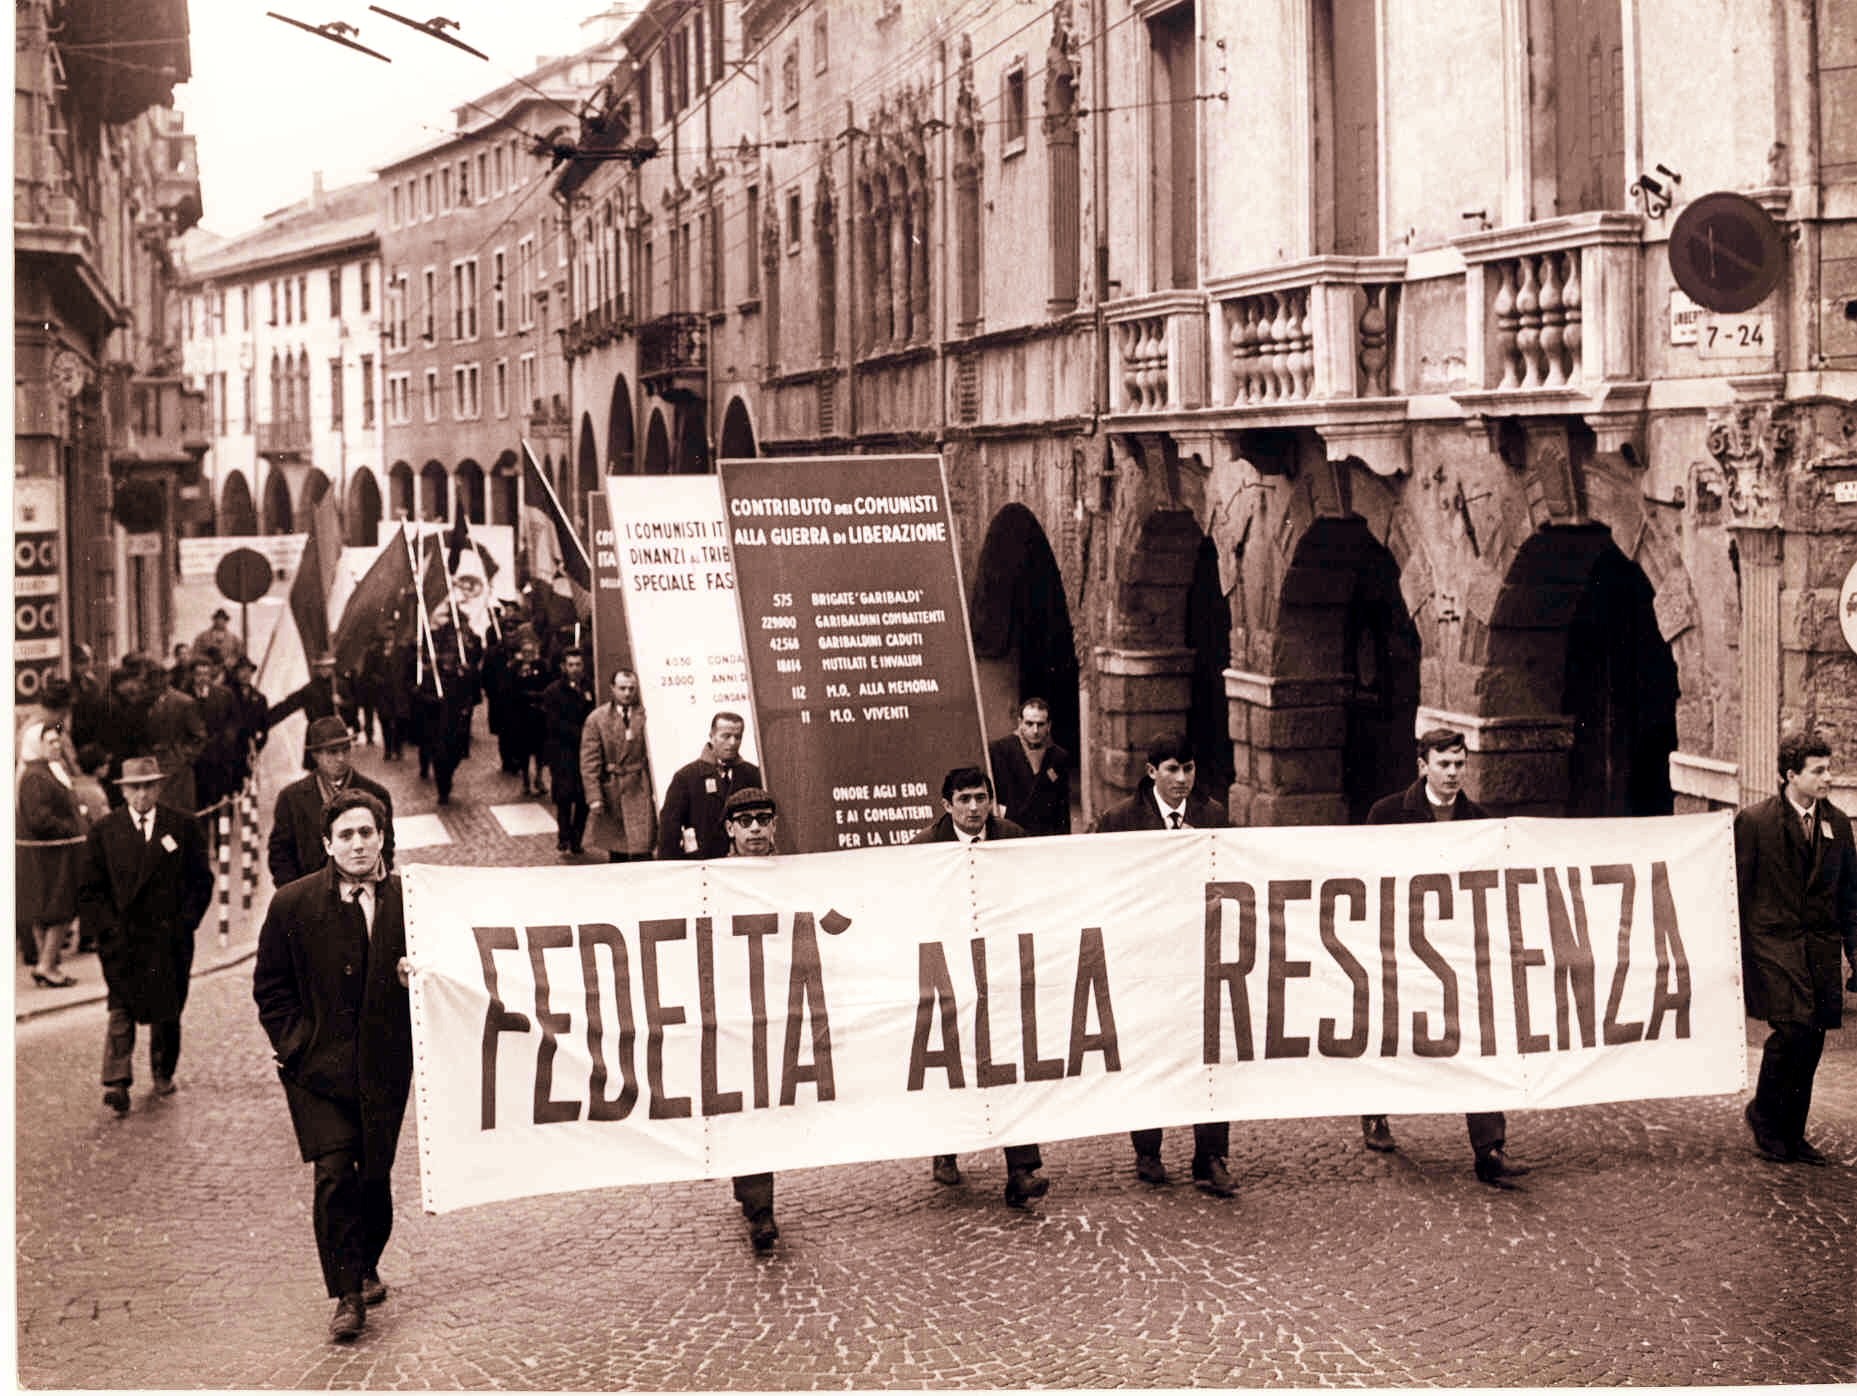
1159, 352
1538, 320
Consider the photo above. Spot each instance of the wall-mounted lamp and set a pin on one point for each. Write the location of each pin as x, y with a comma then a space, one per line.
1653, 195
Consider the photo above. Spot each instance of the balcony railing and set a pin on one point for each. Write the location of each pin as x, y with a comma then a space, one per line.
156, 419
673, 353
1307, 331
289, 437
1157, 347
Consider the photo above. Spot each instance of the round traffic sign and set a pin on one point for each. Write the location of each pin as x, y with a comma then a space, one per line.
1726, 252
1847, 607
243, 575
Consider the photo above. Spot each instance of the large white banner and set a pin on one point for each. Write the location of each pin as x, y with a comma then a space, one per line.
680, 611
648, 1022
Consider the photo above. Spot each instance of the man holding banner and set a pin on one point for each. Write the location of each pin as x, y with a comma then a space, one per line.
1437, 796
1166, 799
750, 818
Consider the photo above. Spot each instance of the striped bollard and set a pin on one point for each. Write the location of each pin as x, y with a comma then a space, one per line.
224, 828
248, 837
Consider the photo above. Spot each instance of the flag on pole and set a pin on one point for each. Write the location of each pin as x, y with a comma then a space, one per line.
548, 539
383, 589
470, 578
299, 640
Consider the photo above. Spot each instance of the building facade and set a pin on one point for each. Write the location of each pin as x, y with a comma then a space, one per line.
281, 328
107, 436
1306, 372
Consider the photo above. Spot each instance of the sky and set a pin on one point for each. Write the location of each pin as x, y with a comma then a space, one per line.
270, 104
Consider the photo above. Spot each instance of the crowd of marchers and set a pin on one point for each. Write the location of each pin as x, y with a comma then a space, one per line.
330, 978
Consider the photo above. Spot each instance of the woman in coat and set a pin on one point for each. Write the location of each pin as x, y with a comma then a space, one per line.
51, 855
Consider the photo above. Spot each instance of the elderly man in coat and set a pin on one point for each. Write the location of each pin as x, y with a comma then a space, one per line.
615, 774
330, 985
1797, 870
145, 885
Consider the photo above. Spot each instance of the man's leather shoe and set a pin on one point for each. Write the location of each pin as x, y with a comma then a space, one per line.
117, 1098
1209, 1175
947, 1171
1376, 1135
762, 1233
351, 1316
1150, 1169
1806, 1153
1023, 1186
164, 1085
373, 1291
1771, 1146
1493, 1167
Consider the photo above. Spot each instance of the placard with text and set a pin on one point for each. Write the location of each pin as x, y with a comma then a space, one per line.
857, 638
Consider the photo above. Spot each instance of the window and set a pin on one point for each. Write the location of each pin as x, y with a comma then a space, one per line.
430, 330
397, 394
393, 207
646, 270
303, 298
464, 387
464, 182
464, 299
245, 307
679, 235
273, 290
818, 42
335, 293
219, 312
222, 417
711, 254
187, 318
644, 94
525, 282
430, 207
1012, 111
290, 293
483, 176
367, 391
432, 395
335, 395
444, 190
767, 84
396, 313
525, 379
752, 241
499, 387
698, 63
250, 402
793, 221
499, 292
367, 287
790, 77
496, 170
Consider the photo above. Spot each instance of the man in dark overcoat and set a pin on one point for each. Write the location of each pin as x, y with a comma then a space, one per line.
1438, 797
295, 846
690, 824
216, 768
1033, 773
1797, 871
565, 705
330, 985
1165, 799
145, 885
967, 817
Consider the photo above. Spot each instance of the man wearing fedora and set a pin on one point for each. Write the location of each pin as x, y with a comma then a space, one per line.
145, 885
315, 699
296, 847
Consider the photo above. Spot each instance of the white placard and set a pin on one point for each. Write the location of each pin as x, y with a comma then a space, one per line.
681, 614
1685, 317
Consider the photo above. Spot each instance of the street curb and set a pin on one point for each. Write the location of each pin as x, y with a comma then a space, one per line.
27, 1015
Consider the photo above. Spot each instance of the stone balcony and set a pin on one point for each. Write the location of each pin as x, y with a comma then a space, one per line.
1157, 353
1552, 315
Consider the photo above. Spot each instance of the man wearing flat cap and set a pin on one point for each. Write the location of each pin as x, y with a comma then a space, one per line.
751, 819
143, 889
296, 845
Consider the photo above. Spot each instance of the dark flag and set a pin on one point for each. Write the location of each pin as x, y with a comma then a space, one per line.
548, 539
381, 591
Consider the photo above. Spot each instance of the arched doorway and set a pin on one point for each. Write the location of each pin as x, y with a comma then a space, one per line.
737, 440
620, 444
238, 518
1023, 643
363, 509
315, 486
278, 516
1209, 637
1574, 637
470, 487
586, 477
657, 446
692, 442
1342, 619
400, 490
434, 493
503, 478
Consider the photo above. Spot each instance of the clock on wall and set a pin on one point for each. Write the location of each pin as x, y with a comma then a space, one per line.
69, 375
1726, 252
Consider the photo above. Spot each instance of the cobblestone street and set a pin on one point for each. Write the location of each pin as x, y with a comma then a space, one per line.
1651, 1245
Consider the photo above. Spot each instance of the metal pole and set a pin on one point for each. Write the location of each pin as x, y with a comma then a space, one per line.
223, 827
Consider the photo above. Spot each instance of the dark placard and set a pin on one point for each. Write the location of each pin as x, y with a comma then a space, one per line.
612, 646
858, 646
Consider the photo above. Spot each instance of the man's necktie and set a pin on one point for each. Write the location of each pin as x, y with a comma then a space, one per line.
1174, 819
145, 824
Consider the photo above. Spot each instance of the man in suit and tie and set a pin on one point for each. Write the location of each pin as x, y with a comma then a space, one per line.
295, 848
1033, 773
1438, 797
1166, 799
330, 984
967, 804
145, 885
691, 824
1797, 871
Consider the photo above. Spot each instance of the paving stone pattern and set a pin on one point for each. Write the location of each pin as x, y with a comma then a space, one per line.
1651, 1245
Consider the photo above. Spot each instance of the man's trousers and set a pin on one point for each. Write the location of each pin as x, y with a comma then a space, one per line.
1783, 1093
353, 1218
164, 1047
1209, 1141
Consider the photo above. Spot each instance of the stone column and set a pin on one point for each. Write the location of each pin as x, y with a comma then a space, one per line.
1140, 693
1518, 764
1760, 550
1288, 736
1064, 217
